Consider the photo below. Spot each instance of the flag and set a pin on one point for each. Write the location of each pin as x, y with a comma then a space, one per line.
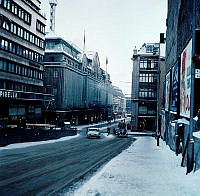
106, 60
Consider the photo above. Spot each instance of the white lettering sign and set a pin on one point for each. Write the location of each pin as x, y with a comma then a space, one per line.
8, 94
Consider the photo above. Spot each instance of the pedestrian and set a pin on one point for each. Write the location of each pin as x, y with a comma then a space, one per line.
108, 130
114, 131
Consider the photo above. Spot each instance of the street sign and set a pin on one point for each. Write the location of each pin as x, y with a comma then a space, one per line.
197, 73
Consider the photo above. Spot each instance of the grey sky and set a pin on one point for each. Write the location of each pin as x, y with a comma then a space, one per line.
112, 28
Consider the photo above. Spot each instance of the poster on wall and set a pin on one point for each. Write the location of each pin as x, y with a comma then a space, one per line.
163, 125
185, 80
174, 89
167, 90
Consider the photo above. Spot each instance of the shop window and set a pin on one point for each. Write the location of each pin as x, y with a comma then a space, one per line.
31, 109
142, 110
1, 64
21, 110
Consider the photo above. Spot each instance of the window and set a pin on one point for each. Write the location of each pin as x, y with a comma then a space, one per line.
20, 50
6, 45
19, 12
13, 8
52, 59
143, 64
142, 109
147, 78
22, 70
147, 93
15, 29
27, 36
148, 64
1, 64
12, 27
10, 46
22, 14
55, 73
40, 27
149, 48
28, 72
18, 31
6, 25
5, 3
26, 17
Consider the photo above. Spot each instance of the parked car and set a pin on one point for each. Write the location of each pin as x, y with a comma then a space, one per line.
93, 133
122, 133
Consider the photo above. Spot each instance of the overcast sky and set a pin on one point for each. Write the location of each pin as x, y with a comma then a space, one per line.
112, 28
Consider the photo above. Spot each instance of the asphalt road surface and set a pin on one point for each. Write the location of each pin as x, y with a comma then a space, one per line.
48, 168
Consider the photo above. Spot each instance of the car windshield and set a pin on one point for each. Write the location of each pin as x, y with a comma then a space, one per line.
93, 130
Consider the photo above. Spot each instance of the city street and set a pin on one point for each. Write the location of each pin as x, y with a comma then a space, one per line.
50, 167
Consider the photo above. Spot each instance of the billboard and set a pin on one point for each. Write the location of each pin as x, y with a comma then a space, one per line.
174, 89
167, 91
185, 80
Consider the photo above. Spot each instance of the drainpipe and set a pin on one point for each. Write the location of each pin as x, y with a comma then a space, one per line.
190, 161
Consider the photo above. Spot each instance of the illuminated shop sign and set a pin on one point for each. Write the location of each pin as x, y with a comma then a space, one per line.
8, 94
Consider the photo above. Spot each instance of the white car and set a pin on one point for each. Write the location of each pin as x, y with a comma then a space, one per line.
93, 132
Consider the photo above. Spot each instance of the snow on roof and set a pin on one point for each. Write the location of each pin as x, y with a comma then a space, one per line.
91, 54
52, 35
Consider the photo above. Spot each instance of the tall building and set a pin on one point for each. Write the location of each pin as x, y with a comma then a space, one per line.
128, 105
82, 89
144, 87
22, 35
119, 103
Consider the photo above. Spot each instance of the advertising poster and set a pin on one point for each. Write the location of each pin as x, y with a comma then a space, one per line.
163, 125
174, 89
185, 80
167, 91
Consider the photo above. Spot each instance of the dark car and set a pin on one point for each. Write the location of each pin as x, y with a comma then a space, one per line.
122, 133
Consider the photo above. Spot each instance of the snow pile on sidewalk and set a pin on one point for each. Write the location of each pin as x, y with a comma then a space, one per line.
142, 170
28, 144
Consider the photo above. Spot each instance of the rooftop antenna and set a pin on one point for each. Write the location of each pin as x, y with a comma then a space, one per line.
53, 4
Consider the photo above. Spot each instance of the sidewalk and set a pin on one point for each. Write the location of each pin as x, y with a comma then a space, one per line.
142, 170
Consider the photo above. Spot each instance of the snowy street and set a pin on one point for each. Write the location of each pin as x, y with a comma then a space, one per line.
46, 167
142, 170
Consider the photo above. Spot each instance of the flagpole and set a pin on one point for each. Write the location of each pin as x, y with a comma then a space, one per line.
84, 42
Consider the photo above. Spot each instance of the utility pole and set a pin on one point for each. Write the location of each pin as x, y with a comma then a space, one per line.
53, 4
158, 98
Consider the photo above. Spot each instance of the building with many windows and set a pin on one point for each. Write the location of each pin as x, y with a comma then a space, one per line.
119, 103
144, 87
82, 89
22, 35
